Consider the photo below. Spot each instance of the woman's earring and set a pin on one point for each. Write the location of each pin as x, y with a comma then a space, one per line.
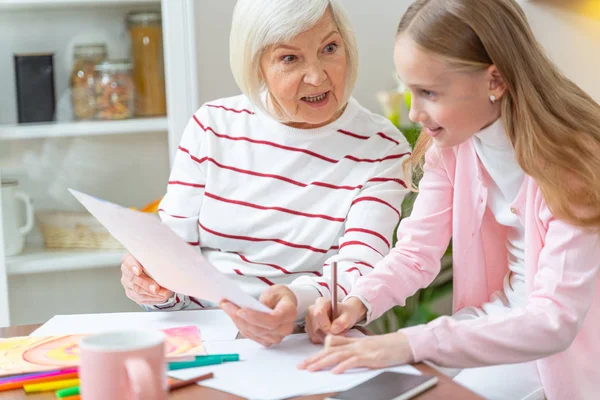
493, 98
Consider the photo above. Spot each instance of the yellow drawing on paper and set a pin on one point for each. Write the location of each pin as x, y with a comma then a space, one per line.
32, 354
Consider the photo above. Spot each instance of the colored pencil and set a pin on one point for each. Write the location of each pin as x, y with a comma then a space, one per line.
334, 291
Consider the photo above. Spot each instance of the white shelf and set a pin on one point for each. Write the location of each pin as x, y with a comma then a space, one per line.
40, 260
83, 128
27, 4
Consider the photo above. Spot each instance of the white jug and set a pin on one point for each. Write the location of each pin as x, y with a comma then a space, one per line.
14, 235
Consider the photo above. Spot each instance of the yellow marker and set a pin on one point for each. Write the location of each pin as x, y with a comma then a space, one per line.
50, 386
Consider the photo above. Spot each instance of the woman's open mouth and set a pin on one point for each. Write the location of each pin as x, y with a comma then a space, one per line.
317, 100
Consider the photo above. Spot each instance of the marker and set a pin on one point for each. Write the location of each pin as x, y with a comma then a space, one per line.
21, 383
202, 361
34, 375
50, 386
68, 392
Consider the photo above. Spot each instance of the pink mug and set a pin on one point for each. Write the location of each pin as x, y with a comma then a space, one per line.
127, 365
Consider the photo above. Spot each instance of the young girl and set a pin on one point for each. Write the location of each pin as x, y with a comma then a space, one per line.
512, 174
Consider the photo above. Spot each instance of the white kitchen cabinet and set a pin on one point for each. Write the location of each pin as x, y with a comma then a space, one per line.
124, 161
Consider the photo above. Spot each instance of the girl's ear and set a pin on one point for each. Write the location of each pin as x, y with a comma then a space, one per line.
497, 85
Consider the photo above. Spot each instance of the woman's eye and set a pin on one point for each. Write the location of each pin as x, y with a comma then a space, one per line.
330, 48
288, 59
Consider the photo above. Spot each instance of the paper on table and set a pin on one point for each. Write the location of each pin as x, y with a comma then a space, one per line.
170, 261
271, 373
213, 324
42, 353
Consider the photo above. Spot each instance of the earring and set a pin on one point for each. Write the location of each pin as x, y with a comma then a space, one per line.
493, 98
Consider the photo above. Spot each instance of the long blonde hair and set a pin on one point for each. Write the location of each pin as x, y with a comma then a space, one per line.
553, 125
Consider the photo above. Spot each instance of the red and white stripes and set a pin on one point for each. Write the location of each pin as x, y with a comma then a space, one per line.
269, 204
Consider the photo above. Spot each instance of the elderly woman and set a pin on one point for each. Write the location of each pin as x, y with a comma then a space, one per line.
274, 185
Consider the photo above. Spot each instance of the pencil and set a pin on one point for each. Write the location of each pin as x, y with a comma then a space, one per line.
189, 382
333, 290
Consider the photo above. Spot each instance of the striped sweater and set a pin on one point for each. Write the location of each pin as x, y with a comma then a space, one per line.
270, 204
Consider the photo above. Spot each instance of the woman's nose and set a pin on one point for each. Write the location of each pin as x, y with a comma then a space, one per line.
315, 74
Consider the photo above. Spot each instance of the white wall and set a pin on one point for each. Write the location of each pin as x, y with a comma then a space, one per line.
571, 39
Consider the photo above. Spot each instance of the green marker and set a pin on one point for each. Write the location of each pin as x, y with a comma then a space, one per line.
225, 357
72, 391
202, 361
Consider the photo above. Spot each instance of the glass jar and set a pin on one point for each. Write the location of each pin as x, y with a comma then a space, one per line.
114, 90
83, 97
145, 29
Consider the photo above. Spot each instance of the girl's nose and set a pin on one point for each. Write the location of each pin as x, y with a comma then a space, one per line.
417, 116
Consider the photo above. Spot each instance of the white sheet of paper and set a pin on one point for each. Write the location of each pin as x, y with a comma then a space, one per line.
213, 324
170, 261
271, 373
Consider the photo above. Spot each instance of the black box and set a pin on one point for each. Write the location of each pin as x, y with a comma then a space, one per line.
34, 75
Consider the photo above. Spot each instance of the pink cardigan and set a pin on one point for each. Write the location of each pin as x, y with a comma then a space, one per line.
560, 327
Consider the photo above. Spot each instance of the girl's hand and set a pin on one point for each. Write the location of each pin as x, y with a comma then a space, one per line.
139, 287
266, 329
373, 352
318, 319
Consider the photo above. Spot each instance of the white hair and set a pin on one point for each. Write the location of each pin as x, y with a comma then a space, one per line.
258, 24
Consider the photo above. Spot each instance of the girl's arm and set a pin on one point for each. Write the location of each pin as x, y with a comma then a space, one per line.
422, 240
564, 286
368, 232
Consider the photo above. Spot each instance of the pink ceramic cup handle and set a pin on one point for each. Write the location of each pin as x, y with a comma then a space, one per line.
142, 384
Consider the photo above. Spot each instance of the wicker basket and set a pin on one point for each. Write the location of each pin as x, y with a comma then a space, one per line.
71, 230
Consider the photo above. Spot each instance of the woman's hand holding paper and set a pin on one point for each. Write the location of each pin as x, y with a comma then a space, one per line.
139, 287
266, 328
